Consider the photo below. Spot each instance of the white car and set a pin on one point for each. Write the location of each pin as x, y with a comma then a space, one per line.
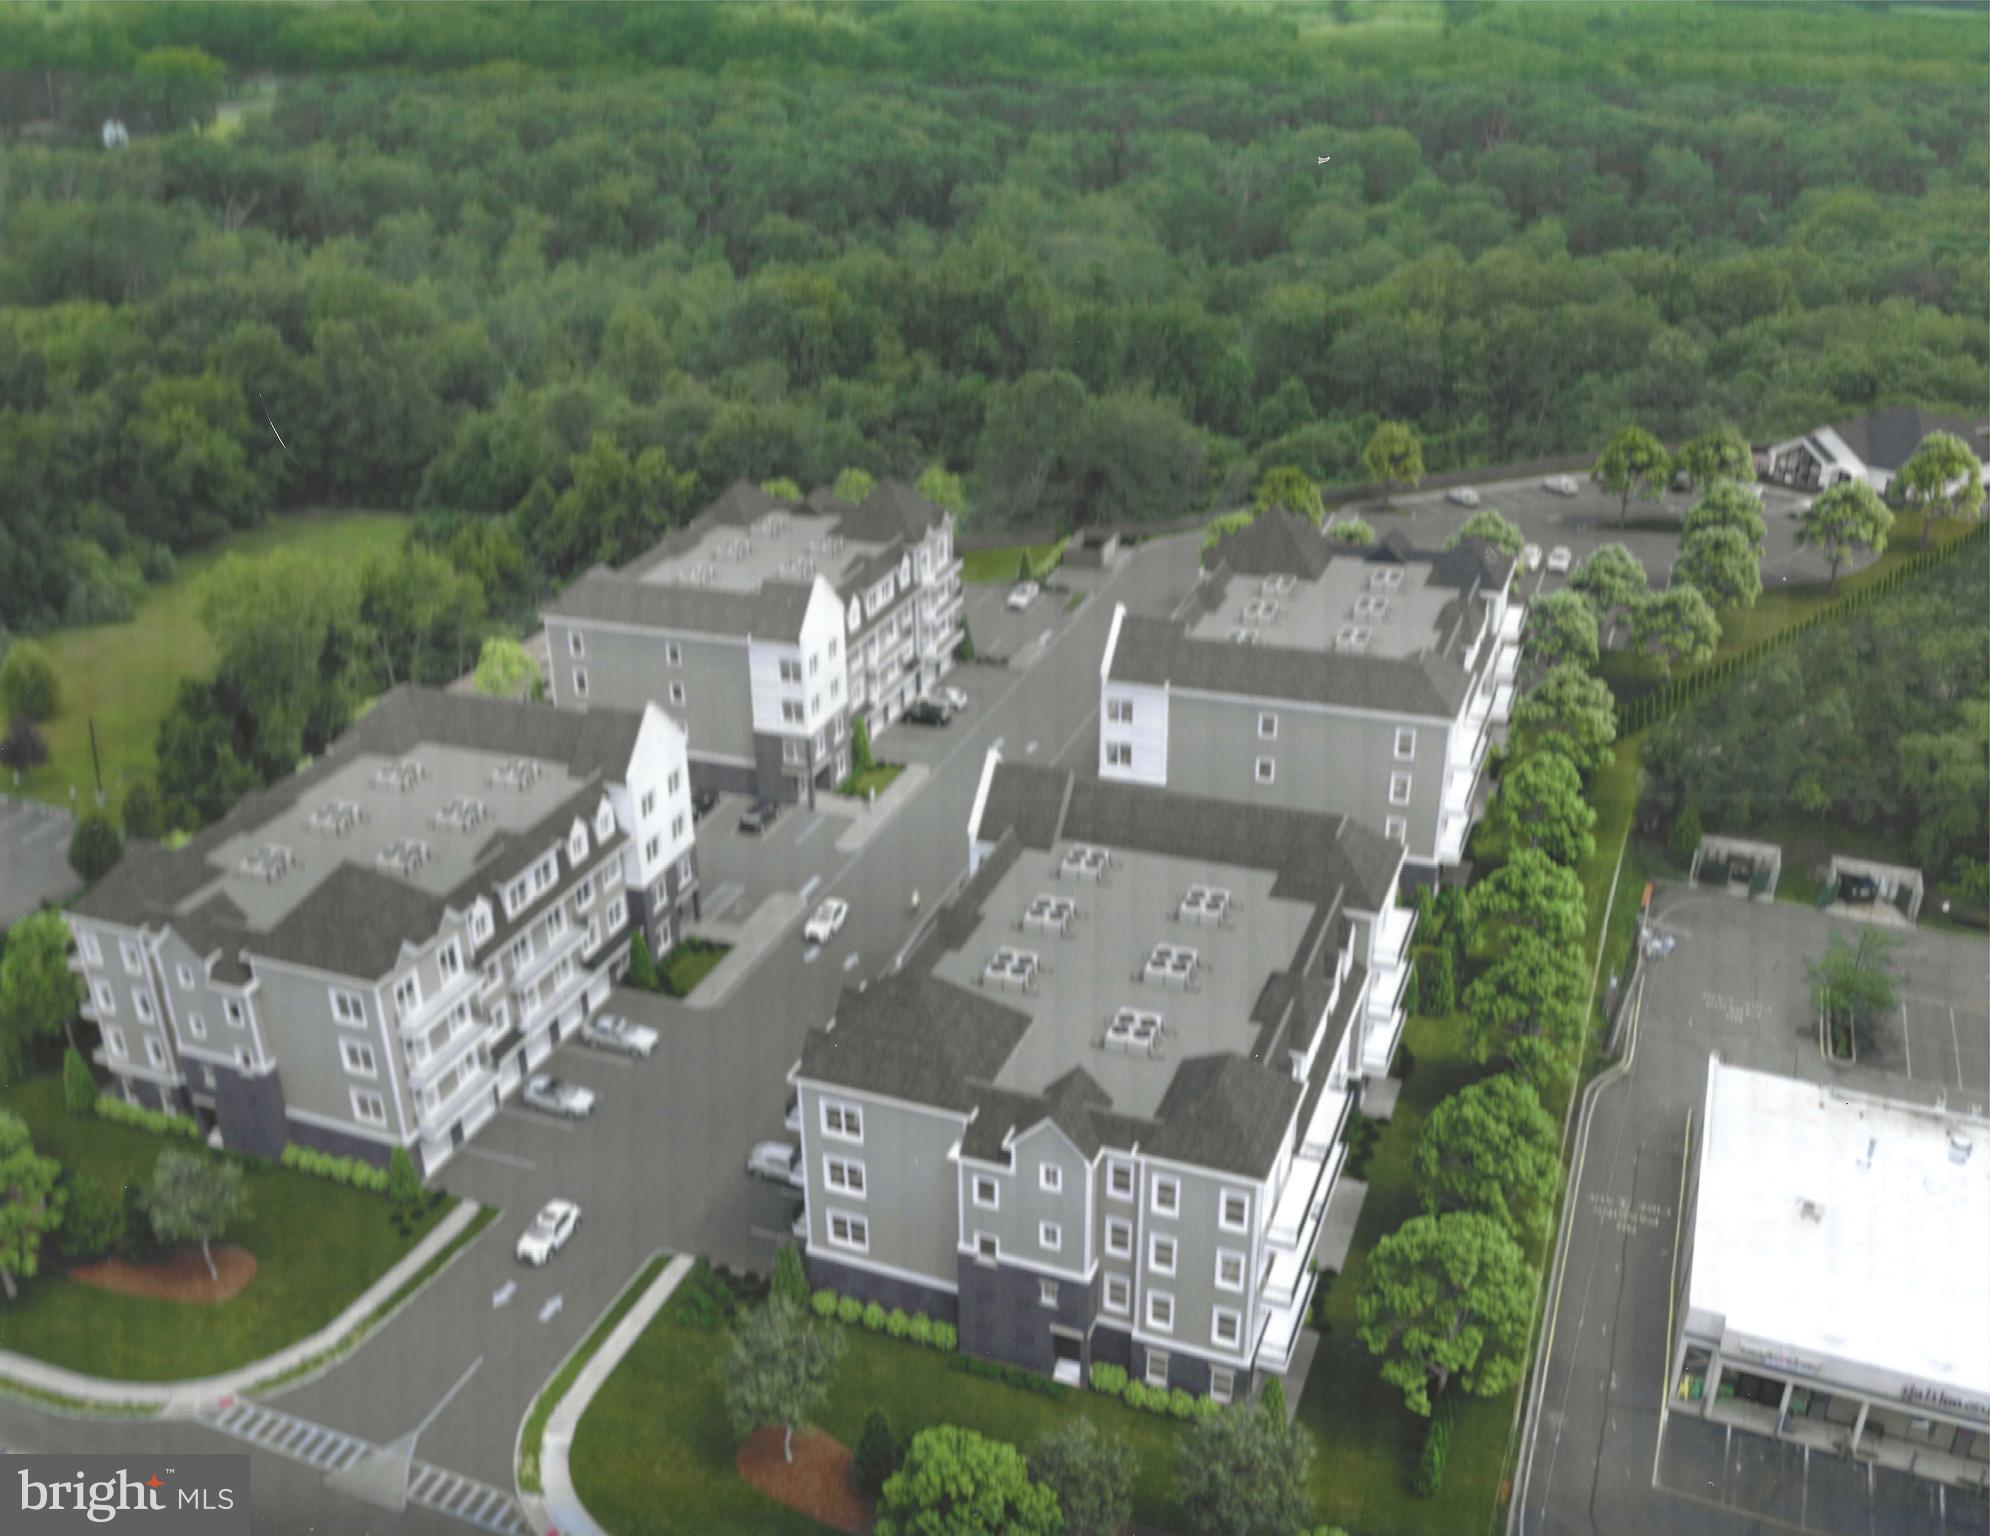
826, 922
556, 1096
1022, 594
1560, 485
955, 699
1560, 558
1796, 509
1462, 496
1530, 557
780, 1161
549, 1232
612, 1032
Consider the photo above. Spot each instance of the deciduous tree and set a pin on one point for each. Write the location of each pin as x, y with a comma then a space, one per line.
1494, 529
1722, 566
1560, 629
95, 845
1529, 893
1527, 1006
1393, 457
1446, 1300
194, 1198
955, 1482
1352, 531
853, 484
1675, 626
1243, 1471
506, 670
1290, 487
1090, 1473
1493, 1149
28, 689
1850, 516
38, 991
1944, 479
1633, 463
1540, 805
779, 1369
1720, 455
1569, 711
1726, 504
30, 1204
1610, 579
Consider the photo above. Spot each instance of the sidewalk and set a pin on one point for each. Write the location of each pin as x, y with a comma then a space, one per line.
865, 820
181, 1399
749, 940
559, 1510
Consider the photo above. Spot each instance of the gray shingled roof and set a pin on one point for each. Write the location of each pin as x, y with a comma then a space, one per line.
892, 511
1225, 1113
773, 611
1159, 654
914, 1038
1887, 438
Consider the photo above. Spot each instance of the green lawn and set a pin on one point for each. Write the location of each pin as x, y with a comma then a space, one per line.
317, 1247
999, 566
654, 1453
878, 777
125, 675
689, 963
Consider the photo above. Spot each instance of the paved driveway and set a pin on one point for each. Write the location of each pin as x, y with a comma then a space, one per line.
1607, 1457
34, 857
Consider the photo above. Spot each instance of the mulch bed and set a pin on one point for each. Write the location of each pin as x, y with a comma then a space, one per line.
817, 1482
183, 1277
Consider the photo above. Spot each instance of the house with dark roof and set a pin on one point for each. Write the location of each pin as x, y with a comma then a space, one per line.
376, 951
1868, 448
1313, 675
769, 628
1099, 1114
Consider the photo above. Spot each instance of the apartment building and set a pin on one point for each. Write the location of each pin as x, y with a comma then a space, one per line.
769, 628
1313, 675
375, 951
1100, 1112
1834, 1290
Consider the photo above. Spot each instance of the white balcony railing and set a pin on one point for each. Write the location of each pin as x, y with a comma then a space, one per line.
465, 983
543, 960
427, 1069
481, 1080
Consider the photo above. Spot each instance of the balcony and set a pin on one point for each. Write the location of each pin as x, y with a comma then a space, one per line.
553, 999
422, 1073
544, 959
466, 983
480, 1081
1295, 1219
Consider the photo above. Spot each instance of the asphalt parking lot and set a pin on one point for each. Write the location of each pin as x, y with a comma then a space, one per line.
34, 857
1604, 1454
1588, 520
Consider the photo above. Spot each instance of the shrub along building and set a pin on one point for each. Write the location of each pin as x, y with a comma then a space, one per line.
1099, 1114
1319, 676
769, 627
373, 952
1837, 1278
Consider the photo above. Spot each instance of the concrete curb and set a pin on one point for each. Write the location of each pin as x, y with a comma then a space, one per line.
750, 940
181, 1399
559, 1509
870, 818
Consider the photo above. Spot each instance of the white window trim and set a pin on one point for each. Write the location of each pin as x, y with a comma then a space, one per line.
1265, 771
677, 694
1405, 743
856, 1228
1113, 1168
1227, 1378
575, 645
132, 956
988, 1247
235, 1013
359, 1096
91, 950
1267, 726
1124, 1305
617, 912
185, 974
106, 999
1046, 1292
358, 1058
155, 1051
1050, 1237
580, 682
1399, 789
832, 1167
141, 1004
114, 1043
1155, 1242
1223, 1199
846, 1110
1397, 828
1165, 1299
1119, 710
974, 1187
1119, 754
1242, 1267
196, 1027
1217, 1315
1173, 1185
1050, 1178
1157, 1365
1124, 1248
673, 654
341, 995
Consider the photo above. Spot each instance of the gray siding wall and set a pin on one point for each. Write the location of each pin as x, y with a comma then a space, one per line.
1024, 1205
887, 1291
1003, 1316
1198, 1237
124, 987
909, 1186
627, 669
294, 1007
1324, 761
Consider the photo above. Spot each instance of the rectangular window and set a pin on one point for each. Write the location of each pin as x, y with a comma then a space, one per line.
1222, 1383
1396, 829
106, 1000
1234, 1211
1161, 1254
1266, 770
480, 924
577, 845
1268, 726
141, 1003
128, 951
1229, 1270
794, 753
155, 1051
1226, 1326
1050, 1237
580, 682
1119, 711
358, 1058
232, 1012
407, 995
671, 784
617, 911
1161, 1311
648, 805
114, 1042
1119, 1294
1119, 1180
584, 894
556, 923
840, 1119
521, 951
196, 1027
1119, 1237
449, 960
1399, 789
368, 1107
791, 712
848, 1231
652, 850
673, 654
1405, 742
93, 953
986, 1246
677, 693
1050, 1178
1167, 1195
1157, 1367
791, 670
844, 1175
1046, 1293
1119, 754
677, 828
987, 1193
185, 973
684, 871
575, 645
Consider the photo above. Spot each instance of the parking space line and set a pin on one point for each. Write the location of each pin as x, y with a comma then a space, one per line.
1906, 1037
810, 830
1955, 1035
501, 1157
543, 1122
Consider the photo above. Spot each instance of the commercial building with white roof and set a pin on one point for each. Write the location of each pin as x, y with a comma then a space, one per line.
1836, 1282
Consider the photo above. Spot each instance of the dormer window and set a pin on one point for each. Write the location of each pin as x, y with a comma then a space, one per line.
604, 822
577, 845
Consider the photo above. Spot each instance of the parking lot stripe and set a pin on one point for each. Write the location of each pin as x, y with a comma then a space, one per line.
502, 1157
1906, 1037
1956, 1036
419, 1488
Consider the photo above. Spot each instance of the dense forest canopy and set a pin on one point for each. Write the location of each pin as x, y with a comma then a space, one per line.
552, 274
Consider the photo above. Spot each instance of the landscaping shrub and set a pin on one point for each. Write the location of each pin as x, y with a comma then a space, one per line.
1436, 1447
824, 1303
922, 1330
352, 1172
1362, 1134
92, 1220
945, 1336
114, 1109
403, 1183
897, 1324
1008, 1375
849, 1309
1437, 980
79, 1085
704, 1302
137, 1243
1109, 1379
876, 1456
874, 1317
1180, 1403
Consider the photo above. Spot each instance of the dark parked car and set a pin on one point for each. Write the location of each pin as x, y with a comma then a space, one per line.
759, 816
702, 801
928, 712
1858, 888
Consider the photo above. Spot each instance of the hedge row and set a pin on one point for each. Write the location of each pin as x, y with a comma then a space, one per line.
1176, 1402
353, 1172
157, 1121
1008, 1375
1647, 709
899, 1323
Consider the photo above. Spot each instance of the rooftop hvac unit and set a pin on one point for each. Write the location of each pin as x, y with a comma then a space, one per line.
403, 856
461, 814
1012, 968
1278, 585
735, 548
519, 773
1205, 904
403, 774
1171, 965
1243, 637
1049, 914
271, 862
1370, 605
699, 573
830, 544
1134, 1032
798, 566
1261, 610
1388, 579
1354, 637
1084, 861
336, 817
772, 526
